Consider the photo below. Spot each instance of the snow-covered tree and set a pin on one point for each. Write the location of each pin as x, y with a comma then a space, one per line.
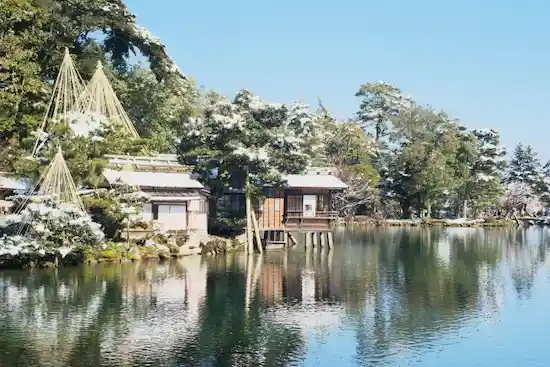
380, 102
247, 139
485, 166
117, 208
350, 151
520, 198
46, 227
525, 168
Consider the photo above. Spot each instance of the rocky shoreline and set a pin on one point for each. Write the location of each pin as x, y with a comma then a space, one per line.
118, 252
488, 222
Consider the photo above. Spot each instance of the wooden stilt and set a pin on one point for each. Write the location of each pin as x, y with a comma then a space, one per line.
286, 238
324, 239
330, 240
308, 239
292, 239
315, 240
249, 236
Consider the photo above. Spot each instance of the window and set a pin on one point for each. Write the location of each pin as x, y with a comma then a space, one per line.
294, 205
322, 203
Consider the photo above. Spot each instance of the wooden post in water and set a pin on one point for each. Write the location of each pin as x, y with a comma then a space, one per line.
324, 239
308, 239
292, 239
330, 240
286, 238
315, 240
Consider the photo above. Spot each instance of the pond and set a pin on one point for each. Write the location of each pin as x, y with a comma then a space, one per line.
382, 297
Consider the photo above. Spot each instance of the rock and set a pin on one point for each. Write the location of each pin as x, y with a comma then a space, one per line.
214, 246
148, 252
163, 251
48, 265
134, 254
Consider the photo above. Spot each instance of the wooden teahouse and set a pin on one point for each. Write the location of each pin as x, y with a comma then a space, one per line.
177, 201
303, 205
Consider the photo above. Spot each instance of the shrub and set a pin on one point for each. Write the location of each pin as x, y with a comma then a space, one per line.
45, 227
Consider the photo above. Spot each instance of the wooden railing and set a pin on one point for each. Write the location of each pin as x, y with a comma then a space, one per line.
299, 214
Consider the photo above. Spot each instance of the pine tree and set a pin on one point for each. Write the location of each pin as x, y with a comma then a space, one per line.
488, 168
525, 167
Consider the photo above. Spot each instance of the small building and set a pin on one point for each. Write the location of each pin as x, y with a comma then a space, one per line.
177, 201
303, 204
8, 186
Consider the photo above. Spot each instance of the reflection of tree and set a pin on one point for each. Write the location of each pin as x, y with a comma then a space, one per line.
65, 317
229, 335
395, 288
415, 294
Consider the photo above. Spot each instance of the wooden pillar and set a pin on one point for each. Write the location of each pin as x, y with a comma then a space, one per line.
315, 239
286, 238
249, 234
324, 236
292, 239
308, 239
330, 240
256, 230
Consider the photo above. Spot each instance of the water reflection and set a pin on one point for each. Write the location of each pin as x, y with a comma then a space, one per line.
383, 297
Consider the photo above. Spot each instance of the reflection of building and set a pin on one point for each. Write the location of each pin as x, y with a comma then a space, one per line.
177, 302
272, 282
302, 296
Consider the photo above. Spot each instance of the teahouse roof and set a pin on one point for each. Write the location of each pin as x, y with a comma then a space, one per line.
160, 162
7, 183
320, 181
152, 179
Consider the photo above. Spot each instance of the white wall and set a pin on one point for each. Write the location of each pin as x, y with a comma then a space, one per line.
147, 212
173, 216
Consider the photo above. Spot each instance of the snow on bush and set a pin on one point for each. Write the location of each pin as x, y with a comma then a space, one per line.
86, 124
47, 227
117, 208
249, 133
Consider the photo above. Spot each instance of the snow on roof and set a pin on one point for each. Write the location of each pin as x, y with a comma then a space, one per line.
10, 184
160, 160
314, 181
152, 179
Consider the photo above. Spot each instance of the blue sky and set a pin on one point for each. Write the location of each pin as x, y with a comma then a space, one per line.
484, 62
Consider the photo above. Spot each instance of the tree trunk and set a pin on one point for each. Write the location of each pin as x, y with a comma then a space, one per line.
406, 209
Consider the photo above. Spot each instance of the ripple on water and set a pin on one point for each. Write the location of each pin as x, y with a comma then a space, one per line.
384, 298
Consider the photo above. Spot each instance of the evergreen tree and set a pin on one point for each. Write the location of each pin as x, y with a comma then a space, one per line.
525, 168
486, 172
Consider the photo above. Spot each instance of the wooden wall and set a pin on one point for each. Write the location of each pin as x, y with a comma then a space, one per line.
271, 212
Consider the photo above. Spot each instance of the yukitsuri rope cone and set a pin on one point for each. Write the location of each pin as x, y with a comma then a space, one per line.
56, 183
99, 98
65, 96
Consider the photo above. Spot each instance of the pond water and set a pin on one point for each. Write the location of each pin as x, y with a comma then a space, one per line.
384, 297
